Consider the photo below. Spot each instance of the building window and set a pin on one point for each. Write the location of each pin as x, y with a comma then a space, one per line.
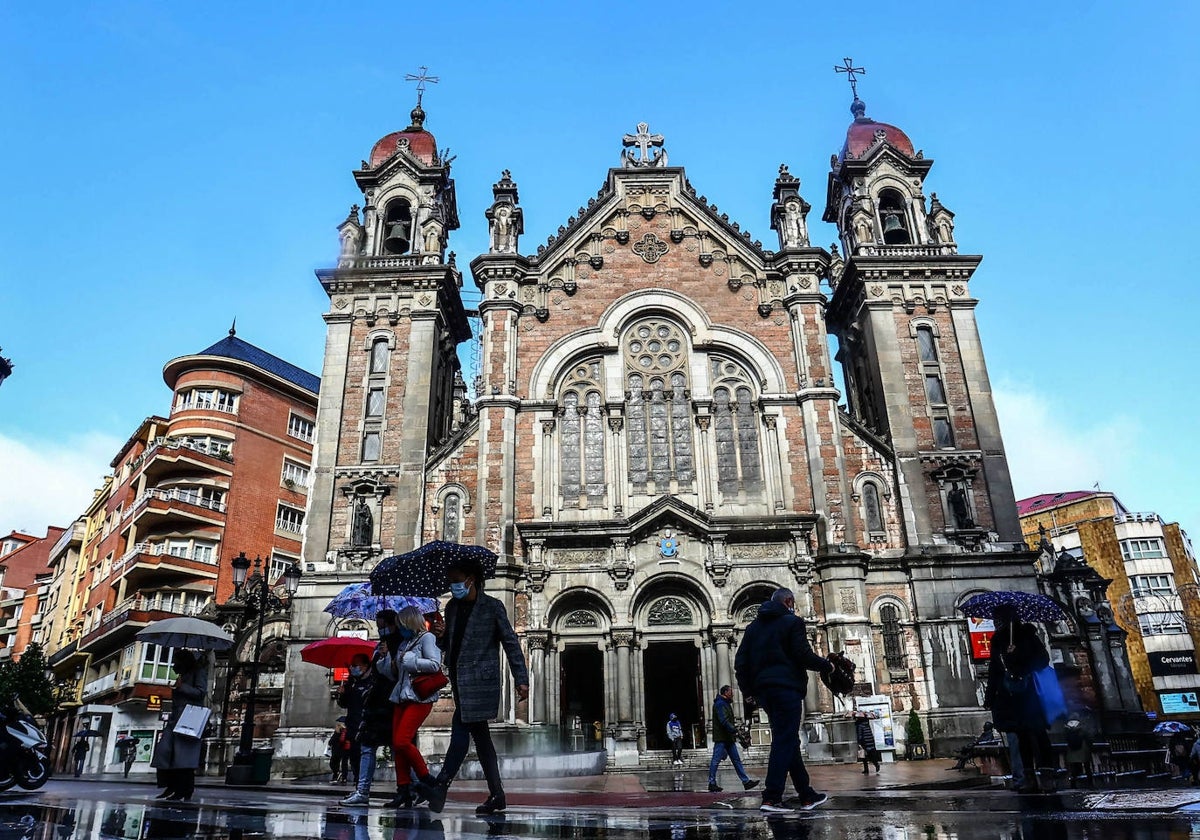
1162, 624
215, 446
1145, 585
200, 550
279, 565
452, 517
581, 450
735, 429
872, 509
943, 435
657, 409
1141, 549
669, 611
290, 519
294, 474
299, 427
156, 664
375, 402
893, 638
926, 346
371, 446
379, 355
934, 391
208, 399
206, 497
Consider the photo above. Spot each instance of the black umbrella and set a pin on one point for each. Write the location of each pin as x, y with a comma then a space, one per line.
88, 733
422, 573
1028, 605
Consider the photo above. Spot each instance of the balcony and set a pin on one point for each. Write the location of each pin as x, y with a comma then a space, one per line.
152, 562
168, 457
126, 618
157, 506
204, 405
105, 683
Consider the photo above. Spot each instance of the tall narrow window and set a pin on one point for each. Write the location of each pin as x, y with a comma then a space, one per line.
371, 446
452, 518
893, 638
735, 429
871, 508
926, 346
581, 443
658, 412
379, 355
934, 390
943, 435
375, 402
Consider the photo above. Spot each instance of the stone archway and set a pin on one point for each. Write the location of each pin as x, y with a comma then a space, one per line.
577, 690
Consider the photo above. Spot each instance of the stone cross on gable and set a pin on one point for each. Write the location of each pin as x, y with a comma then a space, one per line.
643, 140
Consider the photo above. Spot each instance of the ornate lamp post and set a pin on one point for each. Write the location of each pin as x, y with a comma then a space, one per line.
259, 598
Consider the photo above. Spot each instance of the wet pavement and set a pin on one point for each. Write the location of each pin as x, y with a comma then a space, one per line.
64, 810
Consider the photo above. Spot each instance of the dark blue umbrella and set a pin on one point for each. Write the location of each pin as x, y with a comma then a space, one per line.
1029, 606
356, 600
422, 573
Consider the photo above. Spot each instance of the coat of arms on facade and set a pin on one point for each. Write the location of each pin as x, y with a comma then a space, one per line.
668, 546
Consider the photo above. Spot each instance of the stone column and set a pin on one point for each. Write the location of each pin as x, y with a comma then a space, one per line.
704, 471
722, 639
539, 694
617, 481
623, 640
548, 488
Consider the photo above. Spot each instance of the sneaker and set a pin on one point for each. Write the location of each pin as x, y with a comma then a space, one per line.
713, 787
774, 806
750, 784
356, 798
813, 801
492, 805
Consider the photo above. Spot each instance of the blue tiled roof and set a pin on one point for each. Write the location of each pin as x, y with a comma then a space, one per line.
232, 347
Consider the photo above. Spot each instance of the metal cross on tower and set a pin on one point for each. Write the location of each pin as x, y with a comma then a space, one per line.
421, 78
849, 69
643, 140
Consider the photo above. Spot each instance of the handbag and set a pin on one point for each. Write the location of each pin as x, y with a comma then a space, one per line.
428, 685
192, 722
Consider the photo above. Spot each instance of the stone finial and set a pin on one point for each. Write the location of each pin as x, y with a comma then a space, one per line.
789, 213
506, 221
643, 141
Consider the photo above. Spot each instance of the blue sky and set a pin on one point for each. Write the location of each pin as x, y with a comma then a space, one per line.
168, 167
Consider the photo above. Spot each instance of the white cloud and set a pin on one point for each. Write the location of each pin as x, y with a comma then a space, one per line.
50, 482
1052, 447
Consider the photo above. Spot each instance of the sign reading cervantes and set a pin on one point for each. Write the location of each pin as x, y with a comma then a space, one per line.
1171, 663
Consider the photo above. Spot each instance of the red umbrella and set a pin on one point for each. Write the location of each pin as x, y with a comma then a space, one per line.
336, 652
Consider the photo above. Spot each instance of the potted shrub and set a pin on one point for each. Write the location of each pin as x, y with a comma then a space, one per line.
915, 733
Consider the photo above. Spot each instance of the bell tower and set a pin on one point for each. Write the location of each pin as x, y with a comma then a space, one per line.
909, 344
388, 384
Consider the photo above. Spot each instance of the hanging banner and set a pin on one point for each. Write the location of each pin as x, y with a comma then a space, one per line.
981, 631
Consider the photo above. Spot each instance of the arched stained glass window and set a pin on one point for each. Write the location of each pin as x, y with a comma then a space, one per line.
735, 429
379, 355
658, 409
581, 448
893, 638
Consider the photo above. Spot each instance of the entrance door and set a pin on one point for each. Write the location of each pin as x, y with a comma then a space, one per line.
582, 693
672, 677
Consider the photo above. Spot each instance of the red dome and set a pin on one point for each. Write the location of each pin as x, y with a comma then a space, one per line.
861, 135
421, 144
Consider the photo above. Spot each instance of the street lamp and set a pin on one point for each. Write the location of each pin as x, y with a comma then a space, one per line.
259, 597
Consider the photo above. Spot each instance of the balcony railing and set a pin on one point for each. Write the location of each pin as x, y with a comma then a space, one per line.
290, 526
203, 405
105, 683
1122, 518
208, 557
222, 453
155, 603
175, 494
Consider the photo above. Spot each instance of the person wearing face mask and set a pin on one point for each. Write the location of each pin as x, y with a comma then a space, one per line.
417, 652
352, 696
475, 630
367, 677
176, 756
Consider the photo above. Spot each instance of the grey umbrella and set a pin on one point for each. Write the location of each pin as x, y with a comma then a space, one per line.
195, 633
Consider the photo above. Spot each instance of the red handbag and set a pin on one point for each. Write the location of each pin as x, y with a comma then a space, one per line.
427, 685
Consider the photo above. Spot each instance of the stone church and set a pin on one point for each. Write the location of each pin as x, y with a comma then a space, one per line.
655, 438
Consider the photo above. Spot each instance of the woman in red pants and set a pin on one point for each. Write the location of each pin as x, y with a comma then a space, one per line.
413, 652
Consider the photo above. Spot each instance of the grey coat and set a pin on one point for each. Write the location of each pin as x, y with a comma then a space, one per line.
179, 752
476, 679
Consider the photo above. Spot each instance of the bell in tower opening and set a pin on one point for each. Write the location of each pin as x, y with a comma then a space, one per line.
397, 222
891, 215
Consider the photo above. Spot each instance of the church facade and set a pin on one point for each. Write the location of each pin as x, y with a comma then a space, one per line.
656, 439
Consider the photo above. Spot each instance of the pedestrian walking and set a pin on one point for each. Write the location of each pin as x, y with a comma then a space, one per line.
675, 736
177, 756
772, 665
368, 692
865, 735
80, 751
339, 753
418, 653
725, 735
1012, 697
127, 752
475, 629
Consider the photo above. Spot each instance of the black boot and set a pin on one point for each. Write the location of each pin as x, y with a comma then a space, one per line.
437, 794
494, 804
402, 799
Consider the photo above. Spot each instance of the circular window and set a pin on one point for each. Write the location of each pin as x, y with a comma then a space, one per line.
655, 345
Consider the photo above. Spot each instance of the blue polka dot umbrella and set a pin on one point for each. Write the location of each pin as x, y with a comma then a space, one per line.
423, 572
356, 601
1030, 606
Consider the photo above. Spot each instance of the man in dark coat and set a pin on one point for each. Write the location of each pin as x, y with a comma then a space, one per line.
476, 629
177, 756
724, 735
1018, 652
771, 666
367, 698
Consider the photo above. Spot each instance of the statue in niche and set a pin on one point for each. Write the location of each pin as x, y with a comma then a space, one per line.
945, 230
433, 240
862, 230
503, 241
795, 230
959, 509
364, 525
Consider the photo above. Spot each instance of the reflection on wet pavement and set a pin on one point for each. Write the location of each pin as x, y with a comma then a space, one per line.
65, 813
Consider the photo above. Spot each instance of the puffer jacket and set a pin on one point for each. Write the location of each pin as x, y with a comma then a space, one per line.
418, 656
724, 726
775, 654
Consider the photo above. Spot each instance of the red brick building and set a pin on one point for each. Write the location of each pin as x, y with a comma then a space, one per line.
226, 470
